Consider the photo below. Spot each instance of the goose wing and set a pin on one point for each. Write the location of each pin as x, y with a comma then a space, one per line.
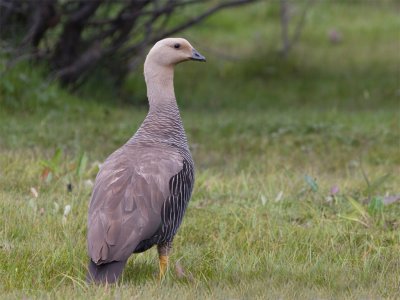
129, 192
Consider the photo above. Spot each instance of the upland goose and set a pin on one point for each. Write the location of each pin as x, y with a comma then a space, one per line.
142, 190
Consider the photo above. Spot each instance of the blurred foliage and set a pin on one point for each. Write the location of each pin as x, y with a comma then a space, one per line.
76, 38
245, 69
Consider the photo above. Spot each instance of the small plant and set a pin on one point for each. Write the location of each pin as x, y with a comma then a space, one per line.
82, 165
52, 167
366, 215
360, 213
311, 183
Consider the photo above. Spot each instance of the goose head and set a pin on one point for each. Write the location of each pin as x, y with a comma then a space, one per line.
171, 51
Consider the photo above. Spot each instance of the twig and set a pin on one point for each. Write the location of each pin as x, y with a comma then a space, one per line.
301, 22
289, 42
203, 16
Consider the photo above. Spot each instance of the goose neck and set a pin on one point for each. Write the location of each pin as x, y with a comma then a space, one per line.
160, 84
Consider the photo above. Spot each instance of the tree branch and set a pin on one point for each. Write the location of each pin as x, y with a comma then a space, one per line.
44, 17
288, 42
201, 17
189, 23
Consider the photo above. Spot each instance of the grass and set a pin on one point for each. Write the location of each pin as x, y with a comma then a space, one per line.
270, 140
238, 237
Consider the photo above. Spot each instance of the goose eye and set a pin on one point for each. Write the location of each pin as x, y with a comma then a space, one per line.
177, 46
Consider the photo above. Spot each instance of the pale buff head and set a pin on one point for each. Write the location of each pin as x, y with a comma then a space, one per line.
171, 51
159, 67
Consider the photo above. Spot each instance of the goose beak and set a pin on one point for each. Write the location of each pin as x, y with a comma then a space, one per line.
197, 56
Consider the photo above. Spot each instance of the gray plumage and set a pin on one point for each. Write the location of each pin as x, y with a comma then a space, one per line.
142, 190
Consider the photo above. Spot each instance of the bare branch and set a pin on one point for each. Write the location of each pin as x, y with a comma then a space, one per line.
87, 8
87, 60
202, 17
89, 31
301, 22
45, 16
288, 42
187, 24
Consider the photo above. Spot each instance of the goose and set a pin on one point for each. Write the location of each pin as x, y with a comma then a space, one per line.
142, 190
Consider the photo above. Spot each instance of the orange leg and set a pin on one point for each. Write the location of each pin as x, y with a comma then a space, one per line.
163, 253
163, 266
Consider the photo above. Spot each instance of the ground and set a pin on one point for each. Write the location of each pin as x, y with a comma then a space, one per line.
295, 161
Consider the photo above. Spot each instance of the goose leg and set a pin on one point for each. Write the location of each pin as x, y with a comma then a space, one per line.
163, 255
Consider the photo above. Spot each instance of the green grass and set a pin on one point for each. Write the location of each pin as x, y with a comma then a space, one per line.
269, 138
236, 239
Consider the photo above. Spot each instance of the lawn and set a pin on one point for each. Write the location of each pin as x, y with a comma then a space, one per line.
296, 161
